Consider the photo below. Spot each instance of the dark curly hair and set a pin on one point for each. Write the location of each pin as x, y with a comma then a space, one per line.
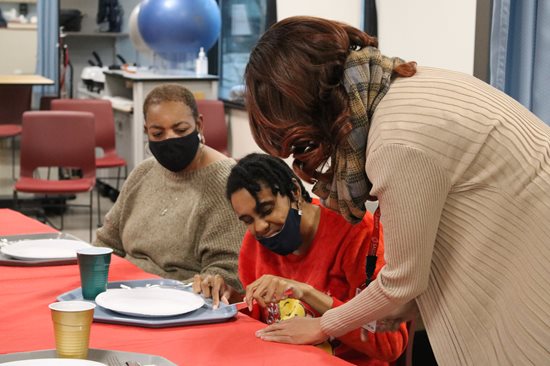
294, 94
255, 170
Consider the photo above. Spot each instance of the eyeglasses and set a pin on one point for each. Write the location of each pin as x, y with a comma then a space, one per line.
301, 149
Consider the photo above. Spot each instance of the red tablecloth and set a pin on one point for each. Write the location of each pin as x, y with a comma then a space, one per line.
25, 323
14, 223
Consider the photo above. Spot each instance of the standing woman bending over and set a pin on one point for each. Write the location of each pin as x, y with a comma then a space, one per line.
172, 218
461, 172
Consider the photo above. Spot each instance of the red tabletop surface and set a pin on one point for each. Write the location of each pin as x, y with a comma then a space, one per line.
25, 323
15, 223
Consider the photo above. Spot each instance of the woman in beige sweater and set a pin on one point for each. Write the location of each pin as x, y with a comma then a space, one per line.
461, 172
172, 218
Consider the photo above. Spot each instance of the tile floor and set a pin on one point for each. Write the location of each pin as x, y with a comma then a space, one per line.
76, 218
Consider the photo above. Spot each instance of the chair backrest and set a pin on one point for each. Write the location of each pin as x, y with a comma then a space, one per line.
214, 124
104, 118
58, 139
14, 100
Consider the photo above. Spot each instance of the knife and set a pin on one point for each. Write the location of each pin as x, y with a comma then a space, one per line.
240, 305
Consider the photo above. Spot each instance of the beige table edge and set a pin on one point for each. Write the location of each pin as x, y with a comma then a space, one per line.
24, 80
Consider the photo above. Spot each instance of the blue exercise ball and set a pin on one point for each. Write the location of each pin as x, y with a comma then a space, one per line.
173, 28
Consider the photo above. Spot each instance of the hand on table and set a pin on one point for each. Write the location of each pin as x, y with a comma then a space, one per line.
269, 288
297, 330
213, 286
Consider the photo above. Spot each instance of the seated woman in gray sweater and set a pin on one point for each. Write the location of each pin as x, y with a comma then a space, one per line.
171, 217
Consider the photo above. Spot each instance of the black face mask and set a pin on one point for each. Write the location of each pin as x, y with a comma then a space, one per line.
177, 153
288, 239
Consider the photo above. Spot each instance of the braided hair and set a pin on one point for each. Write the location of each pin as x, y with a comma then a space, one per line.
255, 170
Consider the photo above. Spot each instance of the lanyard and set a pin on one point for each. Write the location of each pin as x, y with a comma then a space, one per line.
374, 240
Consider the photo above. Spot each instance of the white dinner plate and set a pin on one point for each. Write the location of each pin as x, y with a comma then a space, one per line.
149, 302
44, 249
53, 362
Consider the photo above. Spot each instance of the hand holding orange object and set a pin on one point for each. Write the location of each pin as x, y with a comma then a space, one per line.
269, 288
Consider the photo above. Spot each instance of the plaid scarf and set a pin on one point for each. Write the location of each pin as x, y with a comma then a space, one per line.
367, 78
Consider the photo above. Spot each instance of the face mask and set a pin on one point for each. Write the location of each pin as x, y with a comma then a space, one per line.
177, 153
288, 239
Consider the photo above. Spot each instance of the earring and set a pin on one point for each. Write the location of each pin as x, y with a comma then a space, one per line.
299, 203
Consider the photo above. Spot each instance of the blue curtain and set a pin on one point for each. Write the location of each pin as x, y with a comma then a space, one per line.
47, 63
520, 52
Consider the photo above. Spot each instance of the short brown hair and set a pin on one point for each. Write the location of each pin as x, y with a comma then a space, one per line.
294, 90
170, 93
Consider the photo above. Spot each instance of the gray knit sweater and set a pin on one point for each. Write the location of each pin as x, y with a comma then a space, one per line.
176, 225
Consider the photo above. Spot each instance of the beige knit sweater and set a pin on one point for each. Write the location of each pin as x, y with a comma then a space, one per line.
176, 225
462, 174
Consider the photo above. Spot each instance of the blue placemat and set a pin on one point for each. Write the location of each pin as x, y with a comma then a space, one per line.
203, 315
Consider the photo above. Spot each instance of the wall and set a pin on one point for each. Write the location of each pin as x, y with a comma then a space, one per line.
438, 33
351, 13
18, 42
22, 61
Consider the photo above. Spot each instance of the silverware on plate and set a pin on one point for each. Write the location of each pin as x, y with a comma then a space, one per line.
113, 360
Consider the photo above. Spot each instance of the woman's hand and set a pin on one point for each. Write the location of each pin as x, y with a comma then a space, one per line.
297, 330
269, 288
213, 286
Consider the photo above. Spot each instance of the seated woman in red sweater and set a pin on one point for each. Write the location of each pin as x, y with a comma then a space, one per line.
299, 258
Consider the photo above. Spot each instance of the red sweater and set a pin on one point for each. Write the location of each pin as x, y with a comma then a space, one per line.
335, 265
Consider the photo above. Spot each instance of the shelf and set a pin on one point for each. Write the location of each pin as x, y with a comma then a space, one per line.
152, 76
89, 94
14, 25
118, 103
95, 34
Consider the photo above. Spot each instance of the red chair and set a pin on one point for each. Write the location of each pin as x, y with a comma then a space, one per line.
14, 100
57, 139
104, 134
214, 124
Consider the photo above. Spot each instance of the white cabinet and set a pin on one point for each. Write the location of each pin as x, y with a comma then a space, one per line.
18, 47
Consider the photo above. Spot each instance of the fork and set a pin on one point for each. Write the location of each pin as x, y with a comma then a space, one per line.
113, 360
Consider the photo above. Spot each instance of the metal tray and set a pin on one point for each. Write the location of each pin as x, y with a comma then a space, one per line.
204, 315
9, 261
99, 355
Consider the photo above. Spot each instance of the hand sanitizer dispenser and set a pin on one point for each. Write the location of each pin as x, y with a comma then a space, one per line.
201, 63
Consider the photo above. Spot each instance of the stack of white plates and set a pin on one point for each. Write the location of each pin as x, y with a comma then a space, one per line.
44, 249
